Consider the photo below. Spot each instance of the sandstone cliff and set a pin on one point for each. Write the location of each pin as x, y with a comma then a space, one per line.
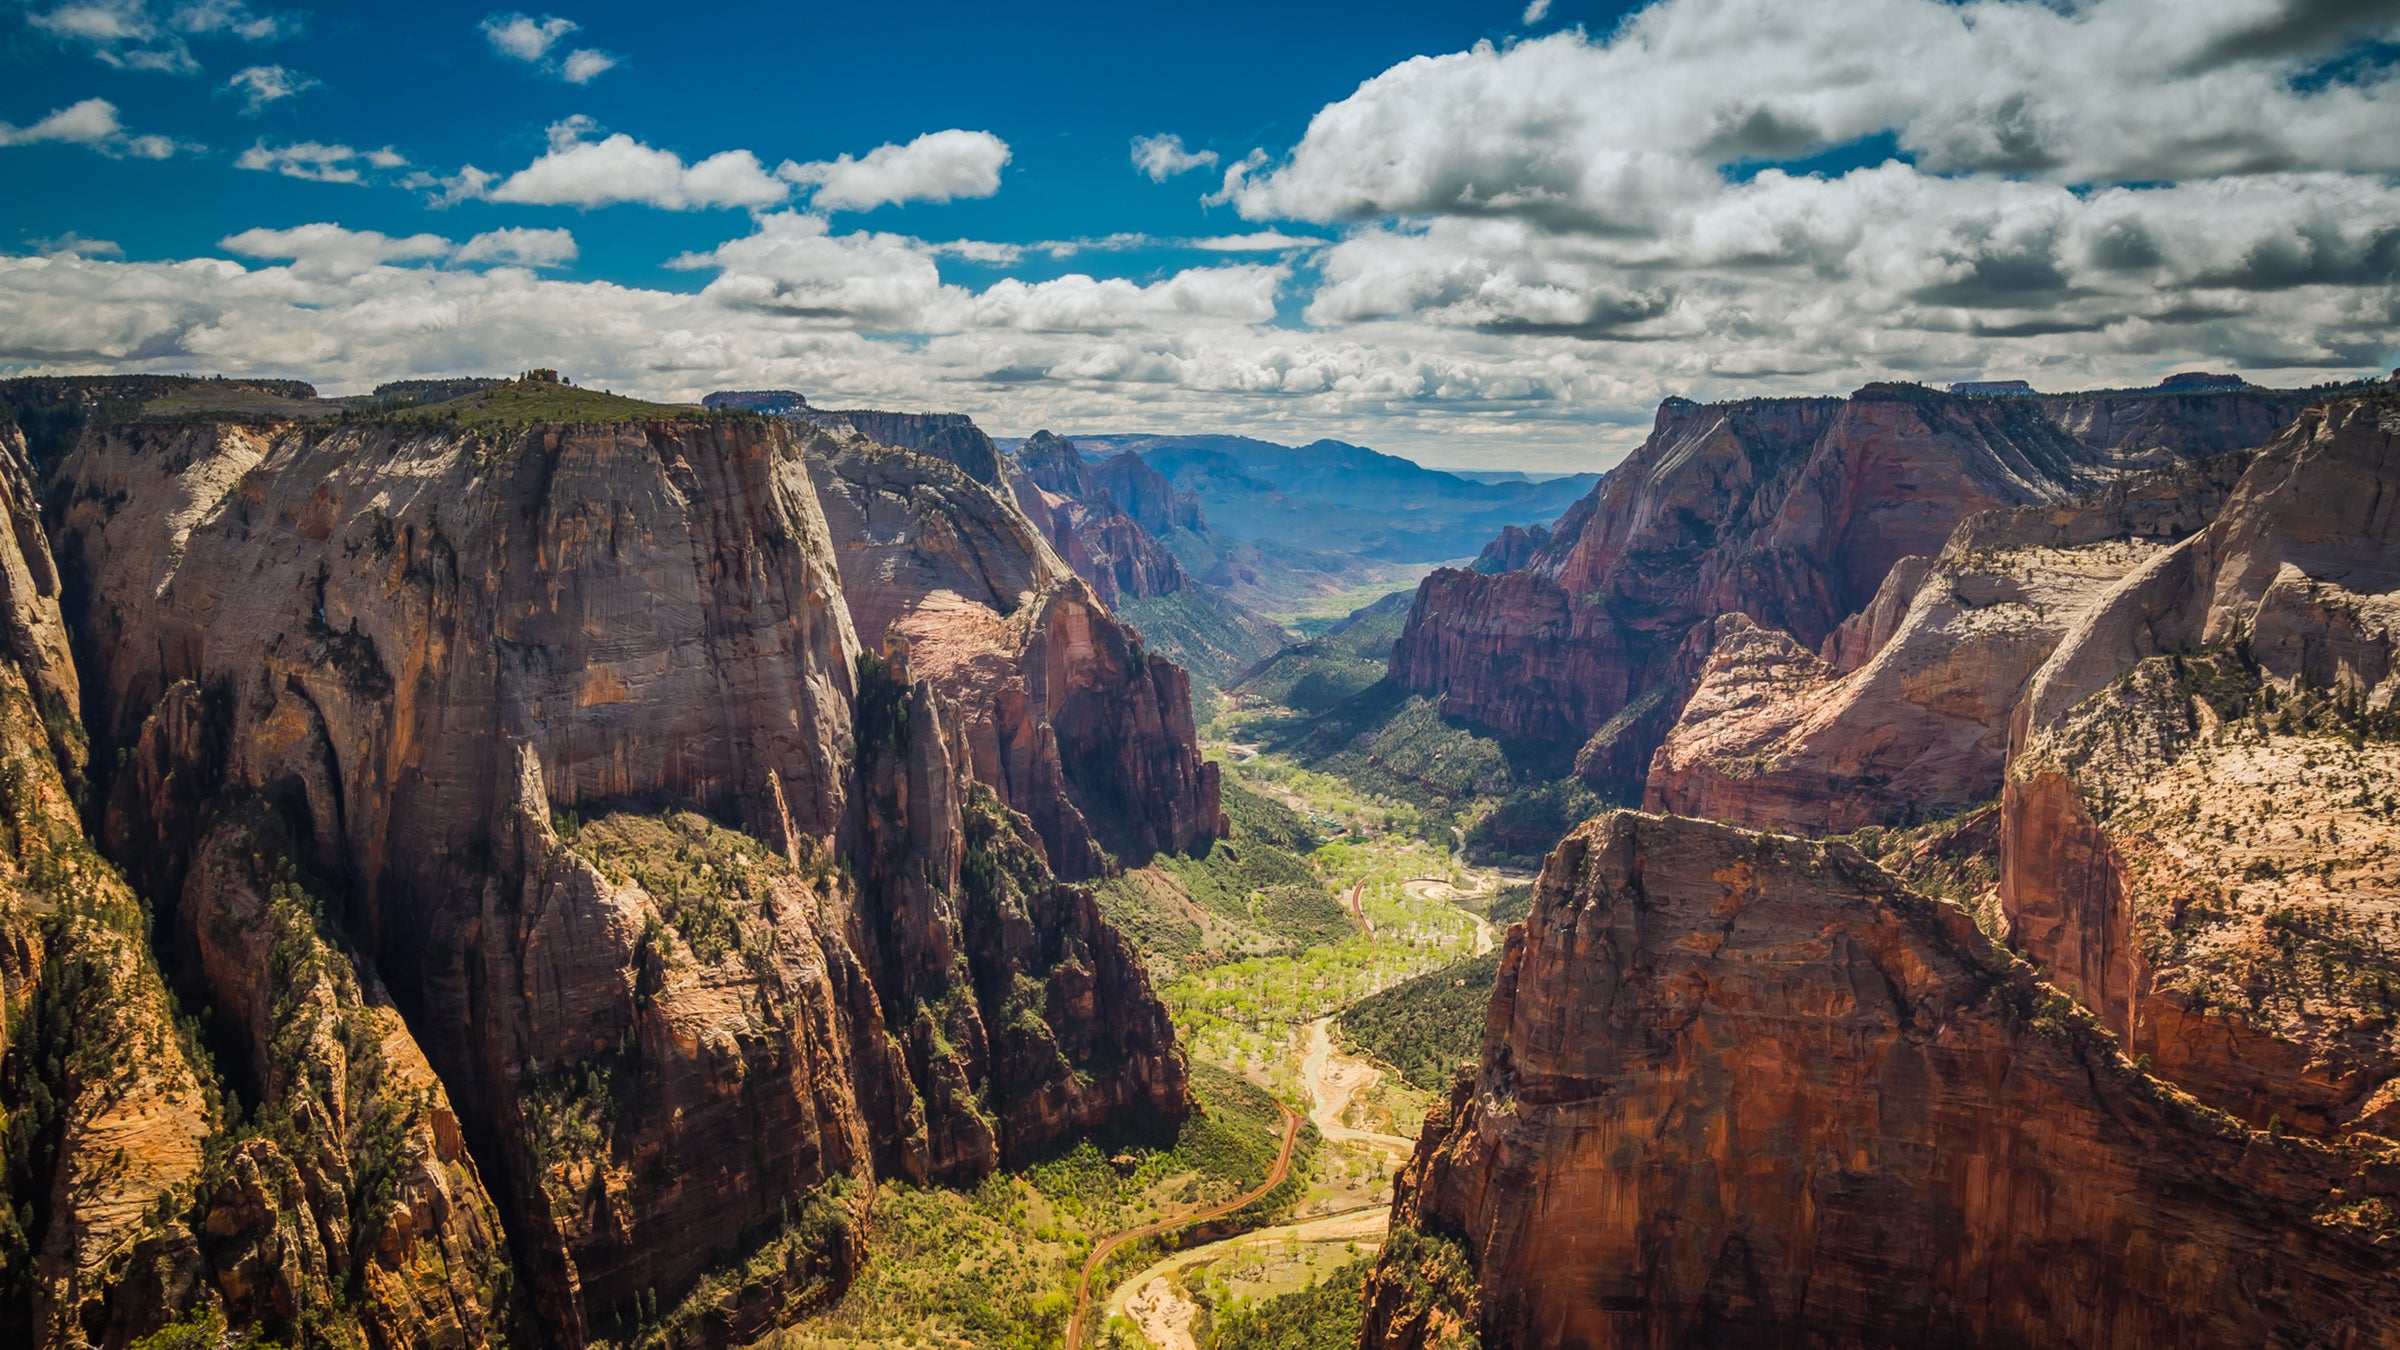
1062, 711
110, 1109
2198, 833
1789, 511
1904, 714
551, 726
1739, 1089
1076, 507
946, 436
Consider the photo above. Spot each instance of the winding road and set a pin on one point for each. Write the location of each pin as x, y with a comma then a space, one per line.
1108, 1246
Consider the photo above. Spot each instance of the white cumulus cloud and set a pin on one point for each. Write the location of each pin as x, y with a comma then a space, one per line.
92, 123
1163, 157
318, 161
520, 247
523, 37
540, 43
331, 251
576, 171
938, 166
585, 64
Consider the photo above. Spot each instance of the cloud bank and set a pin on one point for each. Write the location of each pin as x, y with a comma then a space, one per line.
1509, 252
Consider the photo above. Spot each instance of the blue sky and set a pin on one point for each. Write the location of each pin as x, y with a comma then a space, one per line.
1478, 234
1066, 86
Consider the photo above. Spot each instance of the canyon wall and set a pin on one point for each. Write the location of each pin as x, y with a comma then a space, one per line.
1741, 1089
1903, 713
1093, 516
1788, 511
493, 778
1064, 712
2198, 823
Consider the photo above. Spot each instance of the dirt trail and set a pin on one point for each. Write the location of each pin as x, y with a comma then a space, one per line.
1101, 1253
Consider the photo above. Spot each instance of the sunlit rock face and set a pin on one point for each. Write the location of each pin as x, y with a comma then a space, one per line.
1788, 511
669, 910
1746, 1089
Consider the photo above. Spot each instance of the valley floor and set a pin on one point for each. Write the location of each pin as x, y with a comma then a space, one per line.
1256, 996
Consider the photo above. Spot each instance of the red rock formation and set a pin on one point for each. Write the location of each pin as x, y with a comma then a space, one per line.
1790, 511
2197, 837
1515, 547
505, 685
1906, 716
109, 1112
1064, 714
1077, 510
1741, 1089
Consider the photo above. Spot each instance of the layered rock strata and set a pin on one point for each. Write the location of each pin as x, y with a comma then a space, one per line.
1903, 713
1789, 511
1742, 1089
109, 1109
2198, 831
1062, 711
559, 725
1076, 507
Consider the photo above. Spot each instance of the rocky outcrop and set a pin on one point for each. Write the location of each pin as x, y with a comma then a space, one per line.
1062, 711
552, 729
1905, 714
354, 1200
109, 1107
416, 643
1789, 511
946, 436
1742, 1089
2198, 830
1026, 1019
1144, 494
1513, 548
1077, 509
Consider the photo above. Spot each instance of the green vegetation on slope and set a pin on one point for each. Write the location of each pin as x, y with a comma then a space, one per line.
1315, 675
1212, 637
996, 1266
1327, 1314
704, 876
1511, 800
1428, 1026
523, 403
1252, 894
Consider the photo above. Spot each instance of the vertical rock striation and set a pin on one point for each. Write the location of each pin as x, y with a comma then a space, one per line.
1738, 1089
1062, 711
554, 729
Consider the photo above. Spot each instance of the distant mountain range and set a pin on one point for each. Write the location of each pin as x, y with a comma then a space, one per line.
1336, 497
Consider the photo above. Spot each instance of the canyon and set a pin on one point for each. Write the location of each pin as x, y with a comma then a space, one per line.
606, 840
505, 863
2120, 1073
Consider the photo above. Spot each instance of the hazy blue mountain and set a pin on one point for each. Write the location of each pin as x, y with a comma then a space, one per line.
1336, 497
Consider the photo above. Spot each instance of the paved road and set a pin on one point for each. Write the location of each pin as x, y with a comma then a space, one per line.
1275, 1176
